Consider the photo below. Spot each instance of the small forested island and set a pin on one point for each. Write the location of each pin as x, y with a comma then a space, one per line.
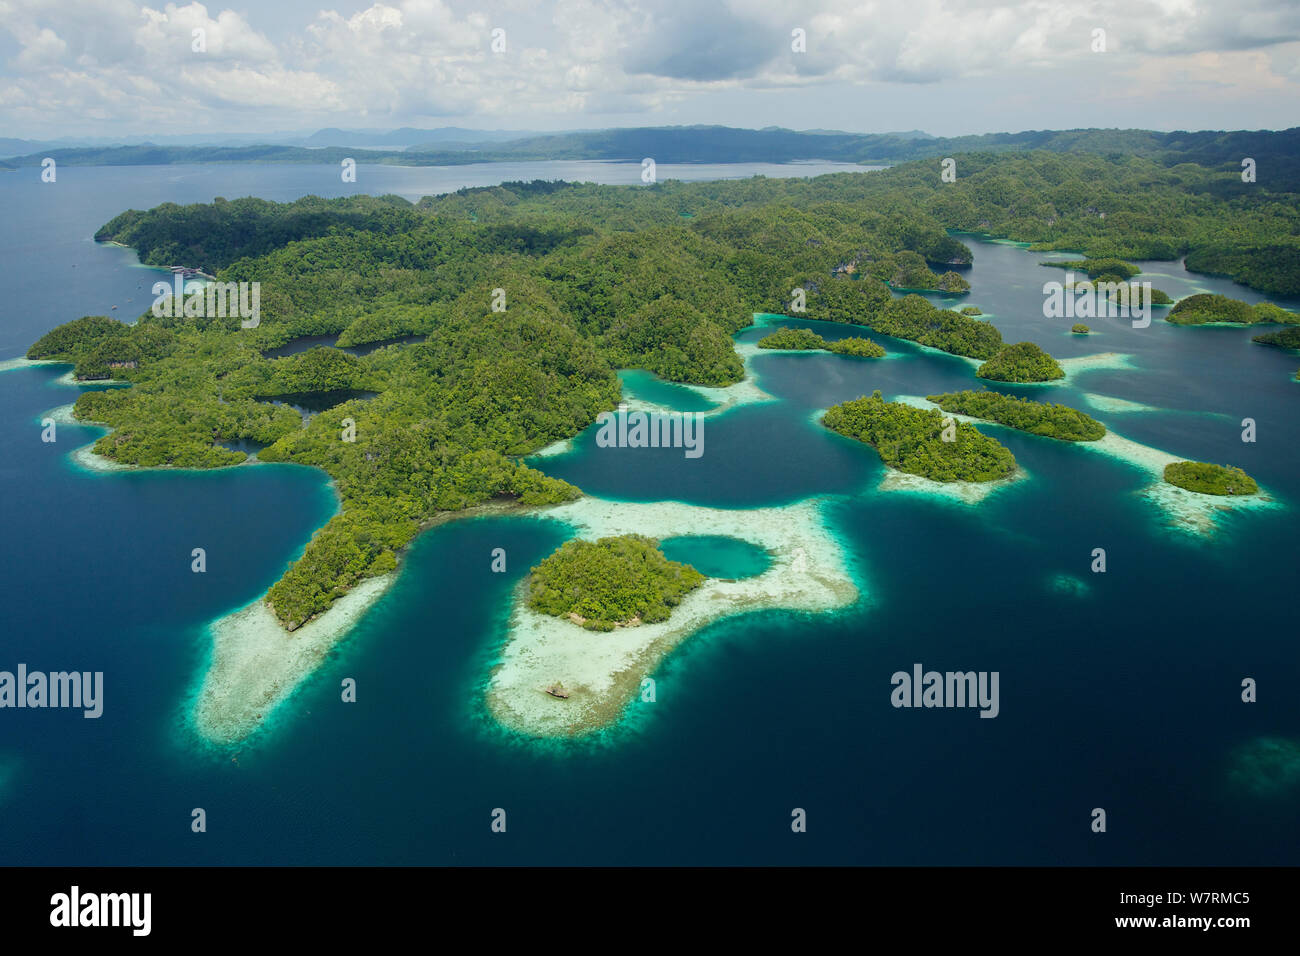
807, 340
1021, 363
1113, 277
1080, 329
1123, 294
1116, 269
912, 440
856, 346
787, 338
1210, 479
1037, 418
1206, 307
970, 310
612, 582
1288, 338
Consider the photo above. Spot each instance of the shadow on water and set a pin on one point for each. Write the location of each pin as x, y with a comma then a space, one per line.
306, 342
311, 404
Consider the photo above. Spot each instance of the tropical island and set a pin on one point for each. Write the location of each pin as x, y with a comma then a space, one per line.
1023, 362
912, 440
1109, 269
1288, 338
1113, 278
530, 297
614, 582
604, 675
1207, 309
1080, 329
807, 340
1037, 418
1208, 479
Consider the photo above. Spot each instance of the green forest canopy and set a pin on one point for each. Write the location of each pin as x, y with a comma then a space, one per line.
1022, 362
912, 440
1210, 479
613, 581
1037, 418
588, 279
808, 340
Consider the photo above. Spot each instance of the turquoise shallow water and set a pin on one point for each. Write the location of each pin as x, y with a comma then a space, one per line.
650, 388
717, 556
1123, 694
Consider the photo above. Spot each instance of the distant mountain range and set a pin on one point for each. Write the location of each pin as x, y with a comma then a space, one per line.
408, 136
392, 138
1276, 153
454, 138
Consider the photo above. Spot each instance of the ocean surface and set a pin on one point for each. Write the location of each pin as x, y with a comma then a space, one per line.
1119, 691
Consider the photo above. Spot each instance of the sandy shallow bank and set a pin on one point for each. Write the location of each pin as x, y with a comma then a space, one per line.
85, 457
1117, 406
63, 415
964, 492
9, 365
1087, 363
256, 664
603, 671
561, 447
67, 378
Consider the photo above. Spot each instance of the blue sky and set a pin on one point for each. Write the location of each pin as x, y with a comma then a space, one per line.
124, 67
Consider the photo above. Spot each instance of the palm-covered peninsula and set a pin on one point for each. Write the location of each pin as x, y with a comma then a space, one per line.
921, 441
1209, 479
612, 582
807, 340
1038, 418
529, 297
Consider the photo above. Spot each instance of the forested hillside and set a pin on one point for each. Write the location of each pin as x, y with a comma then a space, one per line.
530, 296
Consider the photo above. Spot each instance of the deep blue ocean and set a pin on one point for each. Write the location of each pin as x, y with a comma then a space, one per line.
1123, 692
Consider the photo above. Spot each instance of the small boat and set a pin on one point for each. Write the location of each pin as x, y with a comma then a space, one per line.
557, 690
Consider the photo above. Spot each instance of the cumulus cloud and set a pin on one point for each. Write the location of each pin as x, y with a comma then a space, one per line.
701, 40
413, 60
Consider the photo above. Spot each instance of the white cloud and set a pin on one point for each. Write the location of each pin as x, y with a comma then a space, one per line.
416, 60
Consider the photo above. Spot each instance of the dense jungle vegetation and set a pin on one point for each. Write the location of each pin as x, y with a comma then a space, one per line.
1210, 479
912, 440
530, 295
624, 580
807, 340
1037, 418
